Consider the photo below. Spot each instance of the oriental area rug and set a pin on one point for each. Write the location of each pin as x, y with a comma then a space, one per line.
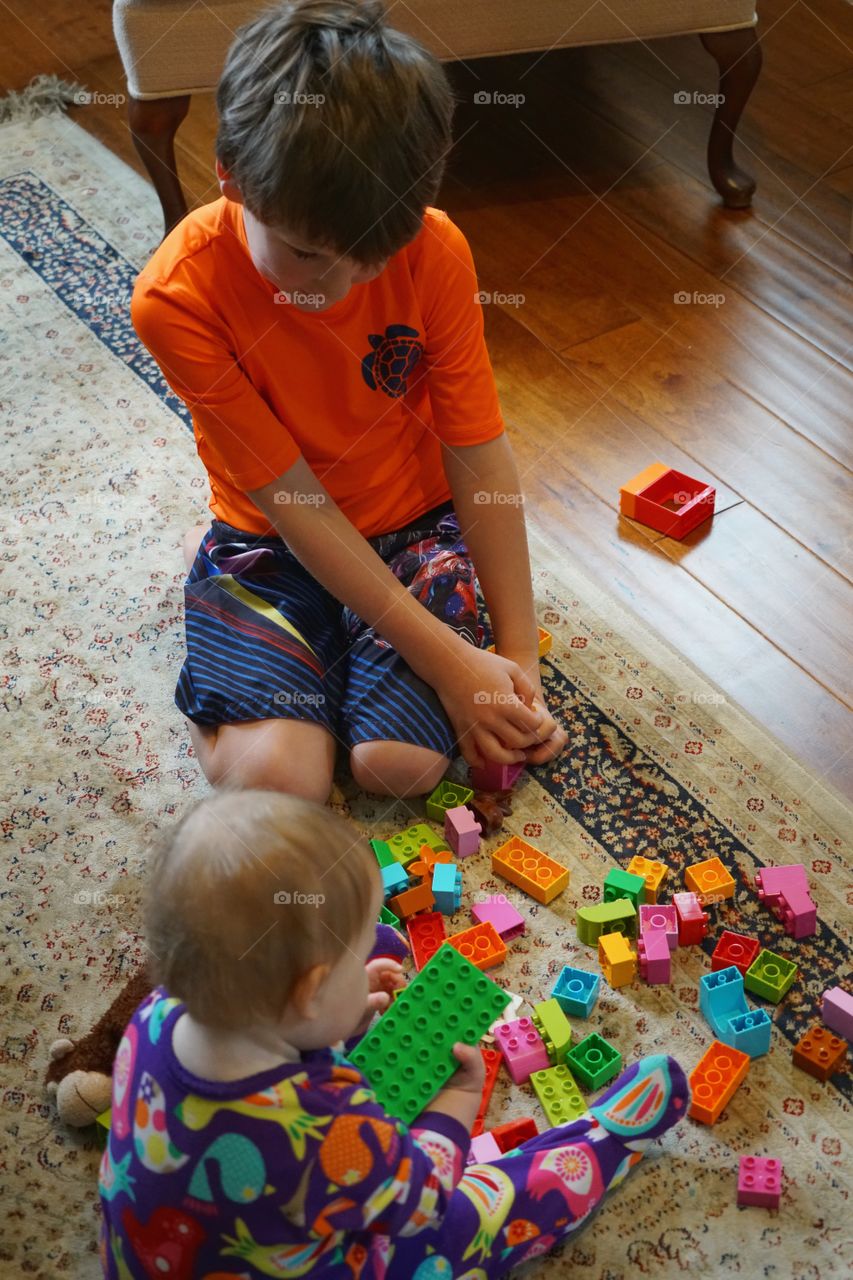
100, 482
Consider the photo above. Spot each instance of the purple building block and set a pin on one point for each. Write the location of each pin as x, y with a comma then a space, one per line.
462, 831
494, 777
522, 1048
665, 919
508, 922
655, 958
484, 1149
759, 1181
837, 1011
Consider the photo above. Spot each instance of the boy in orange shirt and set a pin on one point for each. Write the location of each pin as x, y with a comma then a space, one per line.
321, 322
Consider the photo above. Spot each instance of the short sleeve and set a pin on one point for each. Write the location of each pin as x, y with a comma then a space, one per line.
196, 354
460, 379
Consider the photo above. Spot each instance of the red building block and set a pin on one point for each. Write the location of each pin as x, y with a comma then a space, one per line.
654, 957
714, 1079
692, 920
759, 1181
511, 1135
522, 1047
426, 934
481, 945
734, 949
667, 500
492, 1063
820, 1053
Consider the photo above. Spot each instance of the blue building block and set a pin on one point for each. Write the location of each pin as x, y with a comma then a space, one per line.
723, 1004
447, 887
394, 880
576, 991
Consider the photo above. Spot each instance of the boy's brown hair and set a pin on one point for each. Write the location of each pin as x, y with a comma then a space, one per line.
334, 125
249, 891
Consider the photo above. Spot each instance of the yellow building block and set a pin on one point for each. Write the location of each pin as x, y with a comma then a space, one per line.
654, 874
617, 959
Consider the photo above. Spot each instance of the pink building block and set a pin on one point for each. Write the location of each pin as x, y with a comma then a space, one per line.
522, 1048
798, 914
692, 920
785, 890
655, 958
837, 1011
759, 1181
508, 922
664, 919
773, 881
495, 777
462, 831
484, 1149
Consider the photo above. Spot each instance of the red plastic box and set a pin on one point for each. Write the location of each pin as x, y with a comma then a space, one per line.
667, 500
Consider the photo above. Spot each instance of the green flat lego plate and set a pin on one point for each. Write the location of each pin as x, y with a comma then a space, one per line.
407, 1056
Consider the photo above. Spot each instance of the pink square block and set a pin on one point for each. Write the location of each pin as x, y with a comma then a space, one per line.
494, 777
655, 958
462, 831
798, 914
508, 922
522, 1048
759, 1181
655, 918
484, 1149
837, 1011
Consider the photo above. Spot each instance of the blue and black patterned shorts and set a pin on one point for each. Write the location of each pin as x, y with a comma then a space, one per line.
265, 640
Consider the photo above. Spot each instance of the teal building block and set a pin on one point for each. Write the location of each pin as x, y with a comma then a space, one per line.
558, 1093
593, 1062
748, 1032
384, 856
618, 916
406, 845
770, 976
576, 991
394, 880
407, 1056
624, 884
447, 887
447, 795
721, 997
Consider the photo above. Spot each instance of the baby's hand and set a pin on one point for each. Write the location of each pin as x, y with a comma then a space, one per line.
384, 977
470, 1075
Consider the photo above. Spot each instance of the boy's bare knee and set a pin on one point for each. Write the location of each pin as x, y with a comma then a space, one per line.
295, 757
397, 768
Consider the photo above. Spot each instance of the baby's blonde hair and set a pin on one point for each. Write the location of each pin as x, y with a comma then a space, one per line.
249, 891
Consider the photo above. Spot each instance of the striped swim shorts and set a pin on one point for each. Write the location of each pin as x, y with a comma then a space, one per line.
265, 640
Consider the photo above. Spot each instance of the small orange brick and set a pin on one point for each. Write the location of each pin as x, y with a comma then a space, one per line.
820, 1053
709, 880
714, 1079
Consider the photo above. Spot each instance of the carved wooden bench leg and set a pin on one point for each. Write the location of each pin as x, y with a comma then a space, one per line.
153, 125
738, 55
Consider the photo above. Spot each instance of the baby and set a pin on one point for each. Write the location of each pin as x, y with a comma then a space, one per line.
244, 1143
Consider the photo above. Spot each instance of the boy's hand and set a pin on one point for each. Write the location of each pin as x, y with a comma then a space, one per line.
490, 701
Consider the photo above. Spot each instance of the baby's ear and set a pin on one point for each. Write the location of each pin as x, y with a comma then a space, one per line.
307, 990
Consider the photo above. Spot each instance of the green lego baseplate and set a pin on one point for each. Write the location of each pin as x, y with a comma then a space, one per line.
624, 884
447, 795
770, 976
408, 1055
406, 845
558, 1092
594, 1061
618, 916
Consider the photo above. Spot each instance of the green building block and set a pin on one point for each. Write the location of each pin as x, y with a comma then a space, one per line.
618, 916
557, 1091
406, 845
623, 884
386, 916
446, 796
408, 1056
554, 1028
102, 1127
594, 1061
384, 856
770, 976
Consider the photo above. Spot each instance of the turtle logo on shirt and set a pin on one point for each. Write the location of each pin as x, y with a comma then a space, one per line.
394, 356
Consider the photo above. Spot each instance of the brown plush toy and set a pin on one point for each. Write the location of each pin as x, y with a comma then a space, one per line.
79, 1076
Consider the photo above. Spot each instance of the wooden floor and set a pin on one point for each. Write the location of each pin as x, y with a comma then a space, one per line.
593, 202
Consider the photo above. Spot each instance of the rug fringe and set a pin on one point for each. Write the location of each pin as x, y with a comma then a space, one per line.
43, 96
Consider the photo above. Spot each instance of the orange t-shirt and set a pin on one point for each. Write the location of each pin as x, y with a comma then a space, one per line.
366, 391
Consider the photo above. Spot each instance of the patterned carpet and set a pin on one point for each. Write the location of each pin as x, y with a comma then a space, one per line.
101, 481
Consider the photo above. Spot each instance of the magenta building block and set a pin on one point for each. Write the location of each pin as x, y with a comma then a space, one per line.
655, 917
837, 1011
462, 831
522, 1048
484, 1149
508, 922
773, 881
785, 890
759, 1181
655, 957
494, 777
798, 914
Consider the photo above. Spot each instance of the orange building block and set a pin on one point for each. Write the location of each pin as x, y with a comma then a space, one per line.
709, 880
491, 1061
411, 901
820, 1053
654, 873
618, 961
714, 1080
481, 944
545, 642
530, 869
426, 861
